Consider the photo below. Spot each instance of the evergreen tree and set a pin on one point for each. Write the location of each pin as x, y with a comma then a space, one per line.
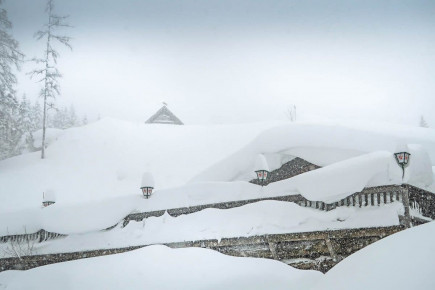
9, 133
10, 55
71, 118
36, 116
10, 58
49, 73
423, 122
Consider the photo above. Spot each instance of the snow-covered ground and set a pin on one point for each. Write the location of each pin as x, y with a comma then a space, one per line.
107, 159
158, 267
95, 171
266, 217
401, 261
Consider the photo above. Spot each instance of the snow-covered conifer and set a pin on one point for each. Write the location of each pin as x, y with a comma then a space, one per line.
10, 55
48, 73
423, 122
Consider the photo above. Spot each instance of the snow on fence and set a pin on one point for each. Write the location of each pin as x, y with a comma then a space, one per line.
374, 196
39, 236
371, 196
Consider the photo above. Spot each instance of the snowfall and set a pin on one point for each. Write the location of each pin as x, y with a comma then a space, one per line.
94, 174
401, 261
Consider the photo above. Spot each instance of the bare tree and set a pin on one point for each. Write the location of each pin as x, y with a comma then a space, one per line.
291, 113
19, 246
10, 55
48, 73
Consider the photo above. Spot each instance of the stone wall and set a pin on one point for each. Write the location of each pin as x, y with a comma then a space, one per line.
422, 200
292, 168
222, 205
311, 250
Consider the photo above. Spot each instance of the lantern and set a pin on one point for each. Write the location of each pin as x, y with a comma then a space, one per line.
48, 198
147, 184
147, 191
261, 169
47, 203
402, 159
262, 176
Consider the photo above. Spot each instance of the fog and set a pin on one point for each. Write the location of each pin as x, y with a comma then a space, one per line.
240, 61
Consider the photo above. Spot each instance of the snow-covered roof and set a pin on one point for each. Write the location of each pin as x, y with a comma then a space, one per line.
164, 116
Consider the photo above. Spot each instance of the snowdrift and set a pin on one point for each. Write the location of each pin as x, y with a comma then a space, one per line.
354, 156
158, 267
401, 261
106, 159
261, 218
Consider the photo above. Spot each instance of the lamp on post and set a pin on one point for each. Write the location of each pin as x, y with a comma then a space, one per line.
261, 169
147, 191
48, 198
147, 185
402, 159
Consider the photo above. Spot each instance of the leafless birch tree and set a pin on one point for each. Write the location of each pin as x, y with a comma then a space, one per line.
48, 73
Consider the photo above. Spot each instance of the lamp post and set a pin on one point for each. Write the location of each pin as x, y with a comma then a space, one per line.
402, 159
261, 169
48, 198
147, 184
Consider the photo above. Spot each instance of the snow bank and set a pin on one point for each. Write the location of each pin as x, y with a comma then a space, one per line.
159, 267
67, 219
336, 181
401, 261
106, 159
322, 144
266, 217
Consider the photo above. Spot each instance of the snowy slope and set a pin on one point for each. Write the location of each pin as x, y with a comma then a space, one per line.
107, 159
401, 261
158, 267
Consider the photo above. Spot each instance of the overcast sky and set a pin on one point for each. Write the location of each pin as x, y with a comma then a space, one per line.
230, 61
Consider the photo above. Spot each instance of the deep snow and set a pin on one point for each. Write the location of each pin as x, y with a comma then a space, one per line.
261, 218
95, 171
158, 267
401, 261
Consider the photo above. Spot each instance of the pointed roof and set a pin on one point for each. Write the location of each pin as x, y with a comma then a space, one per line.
164, 116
